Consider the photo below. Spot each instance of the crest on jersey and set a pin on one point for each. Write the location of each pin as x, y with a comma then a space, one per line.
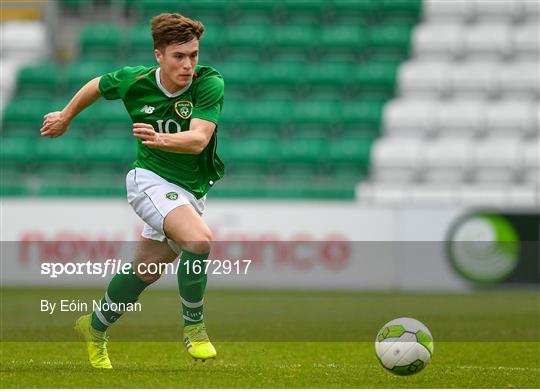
183, 108
173, 196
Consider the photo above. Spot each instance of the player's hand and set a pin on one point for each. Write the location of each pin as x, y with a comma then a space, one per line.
55, 124
149, 136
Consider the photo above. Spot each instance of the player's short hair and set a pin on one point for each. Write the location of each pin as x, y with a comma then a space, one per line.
174, 29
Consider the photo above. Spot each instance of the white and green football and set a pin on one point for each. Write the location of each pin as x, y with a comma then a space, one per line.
404, 346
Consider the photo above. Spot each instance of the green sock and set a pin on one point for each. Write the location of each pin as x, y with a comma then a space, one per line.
123, 288
192, 286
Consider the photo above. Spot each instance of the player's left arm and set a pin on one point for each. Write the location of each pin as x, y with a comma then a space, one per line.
192, 141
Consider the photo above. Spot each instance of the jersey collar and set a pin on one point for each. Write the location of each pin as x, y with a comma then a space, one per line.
164, 90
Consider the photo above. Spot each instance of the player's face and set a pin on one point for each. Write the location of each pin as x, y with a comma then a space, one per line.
177, 63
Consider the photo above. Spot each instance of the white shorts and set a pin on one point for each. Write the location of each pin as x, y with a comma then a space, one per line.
152, 198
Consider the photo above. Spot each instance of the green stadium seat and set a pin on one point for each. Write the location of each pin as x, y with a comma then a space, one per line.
38, 81
140, 45
302, 150
16, 150
375, 79
349, 36
272, 111
334, 74
239, 73
204, 10
296, 37
353, 11
13, 184
281, 73
146, 9
246, 10
399, 10
213, 39
68, 148
112, 118
389, 41
77, 74
322, 112
250, 150
100, 41
25, 116
364, 114
110, 150
248, 36
350, 151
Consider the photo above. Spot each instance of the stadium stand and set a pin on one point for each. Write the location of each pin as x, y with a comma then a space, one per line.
431, 101
464, 128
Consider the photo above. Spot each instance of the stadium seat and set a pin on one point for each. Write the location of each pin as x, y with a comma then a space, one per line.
272, 111
333, 74
448, 161
389, 41
24, 40
523, 196
520, 79
497, 160
361, 114
358, 11
66, 149
376, 79
502, 10
302, 150
483, 195
352, 37
293, 37
531, 163
77, 74
403, 116
435, 194
239, 73
488, 41
438, 41
251, 150
108, 149
396, 160
424, 79
281, 73
474, 80
352, 152
26, 115
320, 112
100, 41
16, 150
437, 11
515, 118
38, 81
464, 117
111, 118
399, 10
249, 36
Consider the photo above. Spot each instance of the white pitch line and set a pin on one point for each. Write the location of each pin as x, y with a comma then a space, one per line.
498, 368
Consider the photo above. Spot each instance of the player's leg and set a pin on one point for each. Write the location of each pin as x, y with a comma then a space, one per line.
123, 288
187, 230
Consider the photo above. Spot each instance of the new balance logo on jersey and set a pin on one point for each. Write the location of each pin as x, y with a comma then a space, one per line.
148, 109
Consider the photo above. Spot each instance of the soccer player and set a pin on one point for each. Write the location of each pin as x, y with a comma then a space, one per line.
175, 110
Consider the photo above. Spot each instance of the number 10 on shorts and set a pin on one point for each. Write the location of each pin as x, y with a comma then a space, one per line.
216, 266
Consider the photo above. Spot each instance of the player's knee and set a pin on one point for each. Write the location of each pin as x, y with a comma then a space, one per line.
199, 242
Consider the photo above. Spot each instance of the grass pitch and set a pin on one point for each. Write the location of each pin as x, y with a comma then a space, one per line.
278, 339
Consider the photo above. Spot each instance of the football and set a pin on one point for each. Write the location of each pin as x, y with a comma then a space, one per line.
404, 346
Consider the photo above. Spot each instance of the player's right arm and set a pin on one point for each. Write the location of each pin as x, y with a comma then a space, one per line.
56, 123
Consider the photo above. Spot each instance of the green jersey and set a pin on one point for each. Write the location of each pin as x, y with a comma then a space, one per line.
147, 101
